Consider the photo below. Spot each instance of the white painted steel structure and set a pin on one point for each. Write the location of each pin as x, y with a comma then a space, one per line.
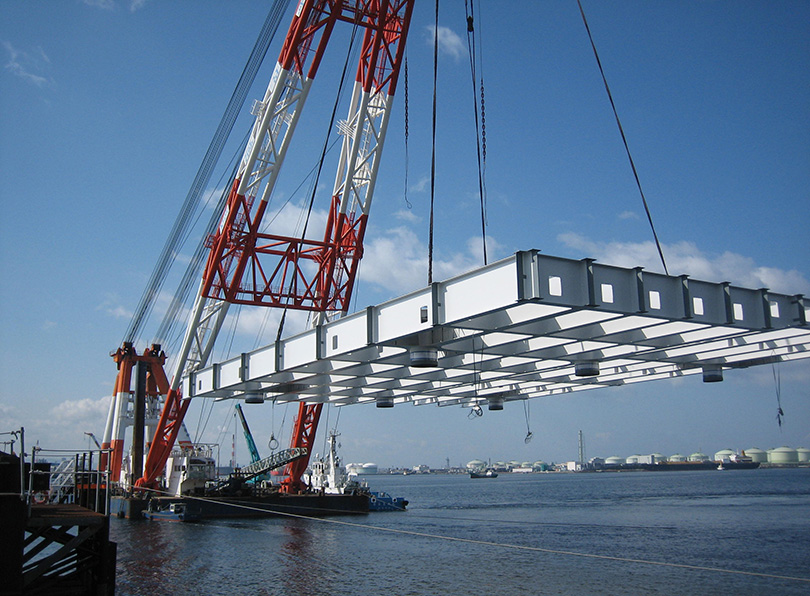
528, 326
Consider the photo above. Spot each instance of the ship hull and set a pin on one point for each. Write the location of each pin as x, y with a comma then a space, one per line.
310, 505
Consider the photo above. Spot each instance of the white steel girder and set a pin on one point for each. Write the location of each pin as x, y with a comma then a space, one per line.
527, 326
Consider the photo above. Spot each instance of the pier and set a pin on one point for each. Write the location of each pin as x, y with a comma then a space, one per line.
59, 548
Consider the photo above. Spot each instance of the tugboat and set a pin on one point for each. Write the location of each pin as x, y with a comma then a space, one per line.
329, 477
488, 473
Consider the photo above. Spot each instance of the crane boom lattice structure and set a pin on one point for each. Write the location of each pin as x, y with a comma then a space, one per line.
246, 264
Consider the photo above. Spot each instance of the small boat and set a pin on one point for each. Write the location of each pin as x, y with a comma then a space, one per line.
489, 473
382, 501
174, 512
720, 467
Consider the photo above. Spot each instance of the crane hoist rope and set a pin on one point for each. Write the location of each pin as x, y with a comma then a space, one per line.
624, 139
480, 127
433, 143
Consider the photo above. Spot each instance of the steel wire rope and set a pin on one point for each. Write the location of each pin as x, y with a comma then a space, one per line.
180, 298
471, 50
777, 381
407, 150
433, 143
224, 427
506, 545
526, 413
201, 427
192, 200
624, 139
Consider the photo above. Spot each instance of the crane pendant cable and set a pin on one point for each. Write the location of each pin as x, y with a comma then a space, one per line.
433, 150
624, 138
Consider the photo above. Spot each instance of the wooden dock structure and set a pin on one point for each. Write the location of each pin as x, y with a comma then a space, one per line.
51, 549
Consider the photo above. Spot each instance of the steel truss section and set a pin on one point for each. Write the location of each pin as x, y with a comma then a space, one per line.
528, 326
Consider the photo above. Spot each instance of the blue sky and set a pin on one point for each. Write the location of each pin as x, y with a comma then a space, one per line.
107, 107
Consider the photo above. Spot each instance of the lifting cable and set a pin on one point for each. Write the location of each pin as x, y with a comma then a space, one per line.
192, 201
529, 433
433, 147
624, 138
407, 159
777, 381
480, 131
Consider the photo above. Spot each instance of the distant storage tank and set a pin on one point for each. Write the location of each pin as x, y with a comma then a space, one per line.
756, 454
369, 468
804, 455
354, 468
614, 460
633, 459
698, 456
783, 455
540, 466
724, 454
658, 458
678, 457
475, 464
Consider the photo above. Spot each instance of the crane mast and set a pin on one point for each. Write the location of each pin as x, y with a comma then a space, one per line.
246, 264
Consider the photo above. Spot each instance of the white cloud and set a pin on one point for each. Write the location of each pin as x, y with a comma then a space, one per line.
134, 5
421, 184
112, 306
105, 4
11, 418
686, 258
85, 411
628, 215
449, 42
397, 261
261, 323
289, 221
29, 66
407, 215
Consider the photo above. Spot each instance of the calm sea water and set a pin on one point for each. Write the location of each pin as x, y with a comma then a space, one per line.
513, 535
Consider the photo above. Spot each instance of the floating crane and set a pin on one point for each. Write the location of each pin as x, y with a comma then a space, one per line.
251, 267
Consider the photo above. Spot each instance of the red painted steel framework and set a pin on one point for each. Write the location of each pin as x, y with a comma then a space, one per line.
252, 267
235, 271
